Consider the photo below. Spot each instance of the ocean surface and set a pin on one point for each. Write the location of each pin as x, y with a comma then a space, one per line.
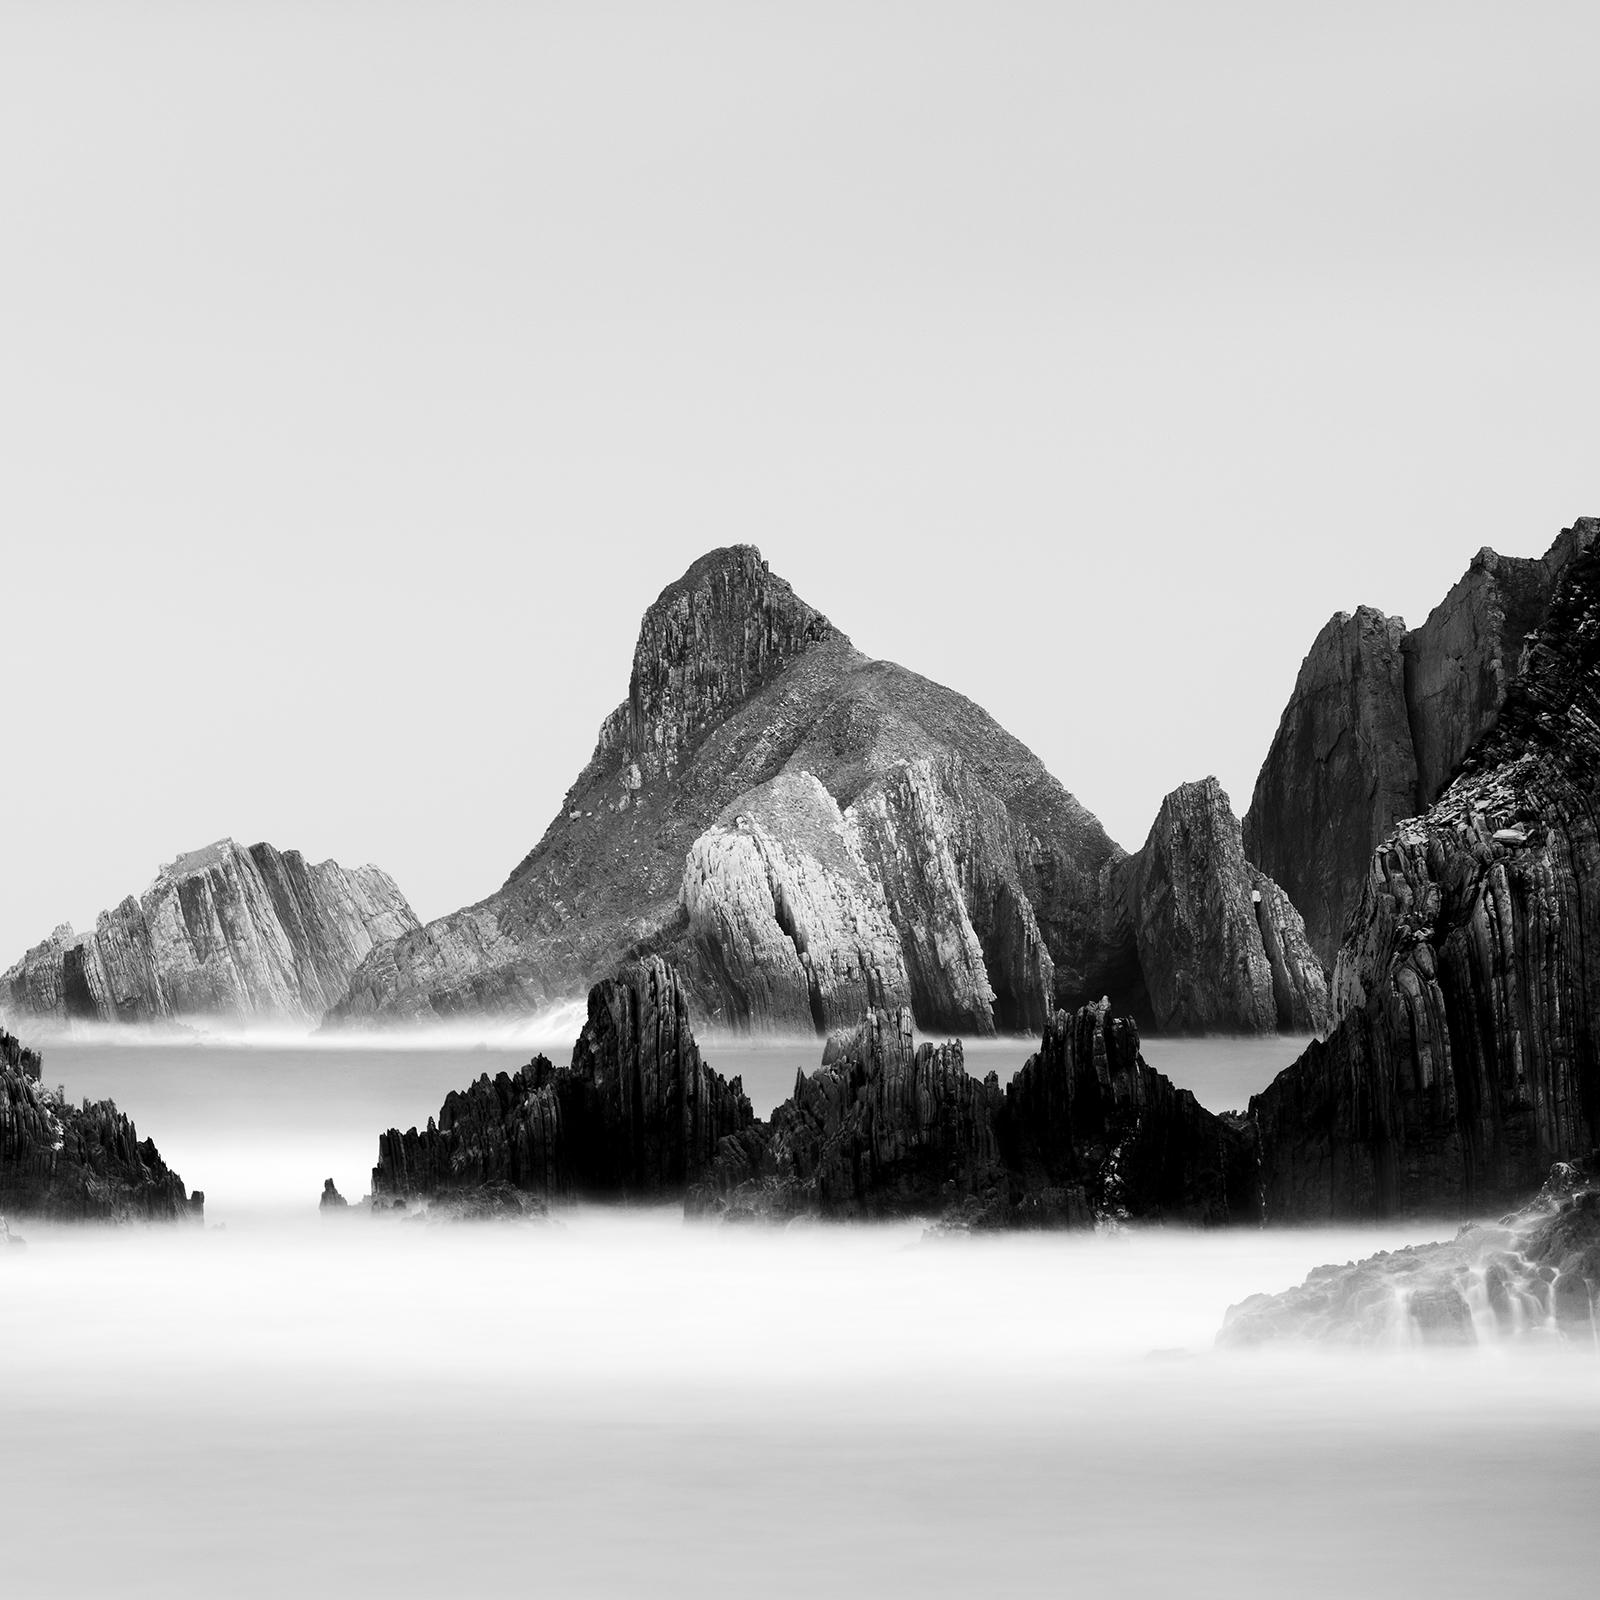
621, 1403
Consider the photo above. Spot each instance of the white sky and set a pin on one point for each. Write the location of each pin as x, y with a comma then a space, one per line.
365, 370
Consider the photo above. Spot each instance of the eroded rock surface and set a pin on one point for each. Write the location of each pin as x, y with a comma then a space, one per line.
223, 932
83, 1163
1532, 1275
1467, 1057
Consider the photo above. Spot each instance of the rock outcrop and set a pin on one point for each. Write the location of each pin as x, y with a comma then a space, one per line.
1379, 721
916, 851
83, 1163
637, 1115
1532, 1275
1218, 946
223, 932
1467, 1056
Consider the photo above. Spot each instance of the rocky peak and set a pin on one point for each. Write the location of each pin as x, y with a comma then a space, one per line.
709, 641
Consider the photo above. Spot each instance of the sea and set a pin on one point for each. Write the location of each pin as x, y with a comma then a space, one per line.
622, 1403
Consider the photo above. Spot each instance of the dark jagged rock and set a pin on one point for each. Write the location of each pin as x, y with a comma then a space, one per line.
1380, 720
1467, 1057
1087, 1130
637, 1115
78, 1164
1088, 1112
1534, 1274
257, 934
1218, 946
932, 860
332, 1200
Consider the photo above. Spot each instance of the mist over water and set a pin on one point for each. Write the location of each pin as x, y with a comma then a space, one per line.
621, 1403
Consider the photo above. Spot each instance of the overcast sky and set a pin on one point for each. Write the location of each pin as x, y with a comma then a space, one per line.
365, 370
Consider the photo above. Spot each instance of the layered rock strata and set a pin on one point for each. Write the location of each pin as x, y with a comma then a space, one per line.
223, 932
83, 1163
637, 1115
1532, 1275
1467, 1057
1379, 721
1218, 946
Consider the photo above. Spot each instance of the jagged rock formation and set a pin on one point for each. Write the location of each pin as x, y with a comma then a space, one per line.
223, 932
1534, 1274
1086, 1130
1088, 1112
77, 1164
637, 1115
746, 701
1218, 947
332, 1200
1379, 721
1467, 1057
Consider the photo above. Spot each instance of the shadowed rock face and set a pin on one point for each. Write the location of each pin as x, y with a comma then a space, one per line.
1532, 1275
1467, 1057
257, 934
897, 845
1380, 720
83, 1163
637, 1115
1218, 946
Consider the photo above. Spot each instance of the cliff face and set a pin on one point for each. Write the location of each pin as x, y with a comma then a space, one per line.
1379, 721
222, 932
638, 1114
916, 851
82, 1163
1467, 1057
1218, 945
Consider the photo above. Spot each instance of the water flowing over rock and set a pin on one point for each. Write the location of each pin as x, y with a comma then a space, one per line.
637, 1115
223, 932
947, 869
1218, 946
1532, 1275
1467, 1057
1379, 721
83, 1163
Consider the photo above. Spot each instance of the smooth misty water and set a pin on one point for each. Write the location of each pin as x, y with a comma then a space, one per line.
623, 1404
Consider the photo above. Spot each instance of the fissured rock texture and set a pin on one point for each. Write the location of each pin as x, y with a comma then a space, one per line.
223, 932
1218, 945
1532, 1275
637, 1115
1085, 1131
83, 1163
1380, 720
744, 701
1467, 1057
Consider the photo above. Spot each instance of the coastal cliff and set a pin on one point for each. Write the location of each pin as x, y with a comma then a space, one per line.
241, 934
1379, 721
66, 1163
1467, 1055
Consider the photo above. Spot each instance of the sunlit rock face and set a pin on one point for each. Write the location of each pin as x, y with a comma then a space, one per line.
1533, 1275
637, 1115
252, 934
1467, 1057
1218, 946
67, 1163
1379, 721
917, 852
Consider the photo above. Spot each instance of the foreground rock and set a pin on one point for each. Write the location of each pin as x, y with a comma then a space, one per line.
638, 1114
1467, 1058
1087, 1131
85, 1163
801, 831
1534, 1274
223, 932
1217, 945
1379, 721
